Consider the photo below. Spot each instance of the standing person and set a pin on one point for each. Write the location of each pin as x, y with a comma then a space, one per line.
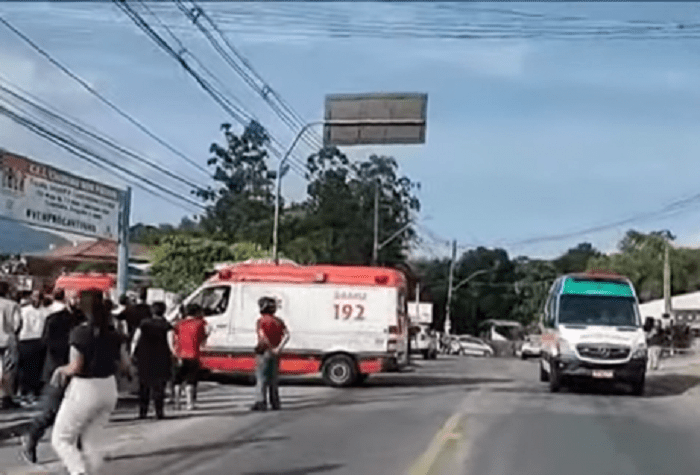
96, 354
272, 336
134, 314
58, 303
56, 340
11, 321
654, 342
190, 334
152, 354
31, 349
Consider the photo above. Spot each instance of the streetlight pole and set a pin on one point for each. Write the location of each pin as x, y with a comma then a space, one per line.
275, 229
451, 289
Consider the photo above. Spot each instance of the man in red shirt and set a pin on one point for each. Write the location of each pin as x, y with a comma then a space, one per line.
190, 334
272, 336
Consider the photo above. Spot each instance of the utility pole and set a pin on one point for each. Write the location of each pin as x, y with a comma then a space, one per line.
123, 243
449, 287
375, 248
667, 289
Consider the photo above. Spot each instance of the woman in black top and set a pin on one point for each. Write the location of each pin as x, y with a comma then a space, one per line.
96, 354
152, 354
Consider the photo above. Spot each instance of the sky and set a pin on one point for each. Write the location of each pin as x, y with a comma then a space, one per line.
527, 137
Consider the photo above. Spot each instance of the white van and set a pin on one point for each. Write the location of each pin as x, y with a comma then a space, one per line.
591, 328
345, 321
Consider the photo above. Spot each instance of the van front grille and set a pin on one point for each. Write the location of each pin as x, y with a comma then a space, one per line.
603, 352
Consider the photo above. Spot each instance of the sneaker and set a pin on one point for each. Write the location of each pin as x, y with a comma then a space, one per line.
259, 406
27, 452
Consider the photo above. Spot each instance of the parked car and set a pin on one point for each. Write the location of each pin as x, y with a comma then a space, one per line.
424, 341
532, 346
473, 346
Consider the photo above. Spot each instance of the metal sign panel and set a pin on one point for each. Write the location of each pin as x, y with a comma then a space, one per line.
375, 119
45, 196
424, 313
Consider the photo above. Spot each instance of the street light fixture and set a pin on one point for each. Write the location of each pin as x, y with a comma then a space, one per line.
453, 288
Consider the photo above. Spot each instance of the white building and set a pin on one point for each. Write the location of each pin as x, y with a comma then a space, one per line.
685, 308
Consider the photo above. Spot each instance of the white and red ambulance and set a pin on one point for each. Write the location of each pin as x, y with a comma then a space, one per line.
345, 322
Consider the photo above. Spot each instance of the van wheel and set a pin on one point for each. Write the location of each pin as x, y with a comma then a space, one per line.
339, 371
554, 378
544, 376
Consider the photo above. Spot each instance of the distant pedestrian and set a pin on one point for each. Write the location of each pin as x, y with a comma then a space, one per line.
151, 352
655, 339
190, 334
96, 354
58, 302
31, 348
56, 340
134, 314
272, 336
11, 321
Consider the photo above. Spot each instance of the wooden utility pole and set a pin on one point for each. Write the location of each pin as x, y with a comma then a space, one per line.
449, 287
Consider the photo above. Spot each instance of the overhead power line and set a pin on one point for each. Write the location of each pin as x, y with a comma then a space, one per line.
95, 93
100, 139
246, 71
88, 155
227, 106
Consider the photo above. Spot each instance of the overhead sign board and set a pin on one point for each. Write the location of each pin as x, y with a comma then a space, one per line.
424, 313
384, 119
45, 196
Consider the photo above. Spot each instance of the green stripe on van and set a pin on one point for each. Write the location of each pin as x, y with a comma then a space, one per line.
593, 287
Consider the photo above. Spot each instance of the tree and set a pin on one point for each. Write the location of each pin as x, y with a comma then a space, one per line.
576, 259
336, 222
490, 295
534, 277
641, 259
243, 205
181, 263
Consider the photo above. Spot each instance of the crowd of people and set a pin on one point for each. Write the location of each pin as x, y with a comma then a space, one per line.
64, 352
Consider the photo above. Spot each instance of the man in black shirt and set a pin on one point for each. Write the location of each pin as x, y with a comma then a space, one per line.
134, 314
56, 339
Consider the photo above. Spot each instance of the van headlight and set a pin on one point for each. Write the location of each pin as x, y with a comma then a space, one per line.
640, 352
564, 348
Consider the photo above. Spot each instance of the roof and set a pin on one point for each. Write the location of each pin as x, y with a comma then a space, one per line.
655, 308
99, 250
257, 271
599, 275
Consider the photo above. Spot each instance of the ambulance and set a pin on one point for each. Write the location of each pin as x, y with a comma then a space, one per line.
592, 330
77, 282
346, 322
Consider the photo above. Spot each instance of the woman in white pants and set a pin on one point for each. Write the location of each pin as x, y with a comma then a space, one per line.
96, 352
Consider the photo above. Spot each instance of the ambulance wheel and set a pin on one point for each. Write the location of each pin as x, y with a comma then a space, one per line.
339, 371
544, 376
554, 378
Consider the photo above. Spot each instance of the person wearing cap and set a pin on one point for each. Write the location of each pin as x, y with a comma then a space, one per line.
272, 336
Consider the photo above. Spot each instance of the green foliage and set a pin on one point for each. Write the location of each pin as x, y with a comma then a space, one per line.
576, 259
181, 263
336, 223
641, 259
242, 207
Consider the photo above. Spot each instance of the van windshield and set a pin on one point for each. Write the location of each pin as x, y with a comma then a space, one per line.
597, 310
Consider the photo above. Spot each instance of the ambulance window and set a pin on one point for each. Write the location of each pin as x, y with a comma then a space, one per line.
214, 300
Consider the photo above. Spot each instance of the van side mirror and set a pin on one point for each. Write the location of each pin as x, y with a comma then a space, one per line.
649, 323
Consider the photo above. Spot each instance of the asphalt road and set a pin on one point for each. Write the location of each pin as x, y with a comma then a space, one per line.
454, 415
